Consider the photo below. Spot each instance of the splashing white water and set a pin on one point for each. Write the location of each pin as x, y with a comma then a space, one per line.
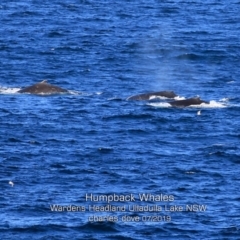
5, 90
160, 105
164, 98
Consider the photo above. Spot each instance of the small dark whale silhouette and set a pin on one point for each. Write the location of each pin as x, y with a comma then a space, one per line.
187, 102
42, 88
147, 96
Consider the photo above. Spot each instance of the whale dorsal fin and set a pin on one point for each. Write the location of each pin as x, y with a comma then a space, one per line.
43, 81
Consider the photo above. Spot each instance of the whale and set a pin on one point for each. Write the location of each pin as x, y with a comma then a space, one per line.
43, 88
187, 102
148, 96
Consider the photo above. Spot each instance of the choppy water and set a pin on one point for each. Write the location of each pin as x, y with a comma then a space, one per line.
54, 150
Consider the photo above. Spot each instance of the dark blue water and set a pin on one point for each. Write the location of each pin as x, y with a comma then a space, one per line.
54, 150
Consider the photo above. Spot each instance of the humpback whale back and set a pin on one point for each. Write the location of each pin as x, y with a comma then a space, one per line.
43, 88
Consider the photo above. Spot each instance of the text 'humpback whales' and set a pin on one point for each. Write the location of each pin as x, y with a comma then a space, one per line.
149, 96
43, 88
187, 102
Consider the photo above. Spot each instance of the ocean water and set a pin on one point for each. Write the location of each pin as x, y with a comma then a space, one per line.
77, 166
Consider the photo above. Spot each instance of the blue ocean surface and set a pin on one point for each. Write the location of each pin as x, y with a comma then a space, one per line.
93, 165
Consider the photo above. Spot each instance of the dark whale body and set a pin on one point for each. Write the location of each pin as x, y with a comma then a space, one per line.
147, 96
43, 88
187, 102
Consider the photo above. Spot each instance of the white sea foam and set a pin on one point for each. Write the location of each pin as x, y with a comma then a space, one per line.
179, 98
5, 90
160, 105
224, 100
74, 92
164, 98
211, 104
157, 97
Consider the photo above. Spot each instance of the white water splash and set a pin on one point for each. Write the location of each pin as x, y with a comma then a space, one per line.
74, 92
165, 98
211, 104
157, 97
179, 98
224, 100
5, 90
160, 104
